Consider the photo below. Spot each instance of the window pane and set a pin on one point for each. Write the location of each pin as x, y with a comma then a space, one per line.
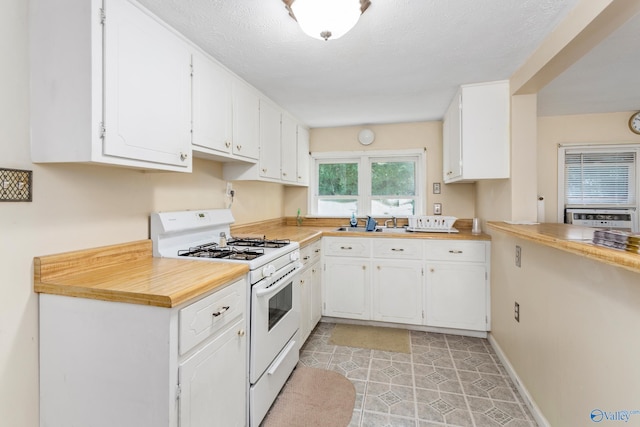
337, 207
393, 179
600, 178
338, 179
393, 207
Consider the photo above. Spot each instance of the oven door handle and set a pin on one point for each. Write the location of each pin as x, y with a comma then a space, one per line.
274, 288
276, 283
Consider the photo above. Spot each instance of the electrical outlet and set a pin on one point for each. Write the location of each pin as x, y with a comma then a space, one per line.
518, 256
229, 189
436, 188
516, 312
15, 185
437, 208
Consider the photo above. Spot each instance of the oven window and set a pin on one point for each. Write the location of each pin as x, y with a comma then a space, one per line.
280, 304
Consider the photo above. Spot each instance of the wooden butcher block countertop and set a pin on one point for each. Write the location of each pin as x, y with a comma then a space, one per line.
570, 238
129, 273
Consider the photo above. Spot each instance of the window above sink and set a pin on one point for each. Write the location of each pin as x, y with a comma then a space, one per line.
377, 183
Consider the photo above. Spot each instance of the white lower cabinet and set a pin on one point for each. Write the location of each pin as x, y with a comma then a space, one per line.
438, 283
310, 289
347, 288
212, 386
397, 291
105, 364
456, 296
457, 291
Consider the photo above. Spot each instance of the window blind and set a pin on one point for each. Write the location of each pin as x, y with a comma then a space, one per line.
600, 178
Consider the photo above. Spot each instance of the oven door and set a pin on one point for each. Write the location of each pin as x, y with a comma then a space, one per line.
275, 318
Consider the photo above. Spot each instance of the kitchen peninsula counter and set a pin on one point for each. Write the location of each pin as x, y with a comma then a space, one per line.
129, 273
569, 238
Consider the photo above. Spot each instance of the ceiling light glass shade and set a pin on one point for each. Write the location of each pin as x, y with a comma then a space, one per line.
324, 19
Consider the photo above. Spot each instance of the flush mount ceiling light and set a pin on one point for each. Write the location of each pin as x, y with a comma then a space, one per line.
326, 19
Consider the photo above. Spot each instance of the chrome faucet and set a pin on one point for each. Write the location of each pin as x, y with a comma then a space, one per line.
394, 220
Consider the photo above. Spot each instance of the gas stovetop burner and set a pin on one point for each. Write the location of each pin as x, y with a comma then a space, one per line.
256, 242
212, 250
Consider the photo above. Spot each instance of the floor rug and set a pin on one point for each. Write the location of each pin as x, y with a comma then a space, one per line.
313, 398
373, 337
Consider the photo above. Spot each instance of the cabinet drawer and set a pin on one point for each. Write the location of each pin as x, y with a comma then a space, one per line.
347, 247
210, 315
310, 253
305, 255
456, 250
316, 250
397, 248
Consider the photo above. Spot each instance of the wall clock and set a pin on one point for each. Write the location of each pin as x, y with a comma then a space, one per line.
634, 123
366, 136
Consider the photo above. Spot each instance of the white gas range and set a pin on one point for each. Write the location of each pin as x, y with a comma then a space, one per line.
274, 300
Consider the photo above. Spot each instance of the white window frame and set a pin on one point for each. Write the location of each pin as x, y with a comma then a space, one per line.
364, 159
585, 148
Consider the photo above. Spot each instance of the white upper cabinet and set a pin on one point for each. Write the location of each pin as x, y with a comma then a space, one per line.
147, 113
303, 156
281, 137
246, 120
110, 84
270, 118
476, 140
212, 107
289, 149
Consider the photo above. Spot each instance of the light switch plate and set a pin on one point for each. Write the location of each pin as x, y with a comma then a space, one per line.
15, 185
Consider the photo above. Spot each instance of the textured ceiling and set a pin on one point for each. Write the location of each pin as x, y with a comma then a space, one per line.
402, 62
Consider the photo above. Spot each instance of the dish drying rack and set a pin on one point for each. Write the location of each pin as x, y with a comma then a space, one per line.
432, 224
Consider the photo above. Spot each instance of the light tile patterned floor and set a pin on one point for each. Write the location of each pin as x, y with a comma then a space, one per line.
447, 380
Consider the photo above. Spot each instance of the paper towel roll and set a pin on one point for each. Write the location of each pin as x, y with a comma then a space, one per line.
541, 209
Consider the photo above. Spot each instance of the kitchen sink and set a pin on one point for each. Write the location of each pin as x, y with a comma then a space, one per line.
392, 230
351, 229
378, 229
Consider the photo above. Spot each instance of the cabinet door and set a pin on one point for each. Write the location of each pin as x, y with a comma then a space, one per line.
289, 149
147, 113
452, 141
346, 288
456, 296
212, 106
316, 294
303, 156
246, 120
305, 283
213, 382
270, 131
397, 291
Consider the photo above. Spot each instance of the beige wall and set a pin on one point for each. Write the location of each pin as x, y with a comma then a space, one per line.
575, 348
588, 128
457, 199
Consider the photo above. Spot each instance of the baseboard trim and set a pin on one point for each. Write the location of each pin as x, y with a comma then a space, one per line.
528, 400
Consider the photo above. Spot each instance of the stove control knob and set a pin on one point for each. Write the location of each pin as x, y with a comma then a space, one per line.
268, 270
294, 256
